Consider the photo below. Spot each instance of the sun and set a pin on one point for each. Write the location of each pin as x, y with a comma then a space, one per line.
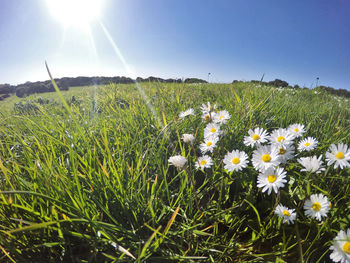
75, 12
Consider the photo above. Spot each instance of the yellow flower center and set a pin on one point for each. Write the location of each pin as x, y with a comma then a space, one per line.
204, 162
256, 137
307, 144
221, 117
330, 205
282, 151
280, 138
236, 160
316, 206
296, 129
339, 155
213, 130
346, 247
207, 117
286, 213
266, 158
209, 143
271, 178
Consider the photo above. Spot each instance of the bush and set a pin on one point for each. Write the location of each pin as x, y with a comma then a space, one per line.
278, 83
6, 89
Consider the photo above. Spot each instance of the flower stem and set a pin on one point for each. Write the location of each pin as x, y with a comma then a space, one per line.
299, 243
194, 152
193, 187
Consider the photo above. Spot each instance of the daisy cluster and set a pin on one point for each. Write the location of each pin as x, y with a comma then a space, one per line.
270, 153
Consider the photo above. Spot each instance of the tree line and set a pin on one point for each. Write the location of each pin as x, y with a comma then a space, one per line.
284, 84
29, 88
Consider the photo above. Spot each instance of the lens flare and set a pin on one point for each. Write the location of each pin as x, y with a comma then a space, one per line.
131, 73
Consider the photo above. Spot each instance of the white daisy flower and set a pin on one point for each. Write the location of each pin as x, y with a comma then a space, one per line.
296, 129
287, 214
221, 117
281, 137
188, 138
265, 156
312, 164
207, 116
178, 161
204, 162
206, 108
341, 247
186, 113
317, 206
286, 153
212, 130
339, 155
235, 161
271, 179
212, 115
256, 137
307, 144
209, 144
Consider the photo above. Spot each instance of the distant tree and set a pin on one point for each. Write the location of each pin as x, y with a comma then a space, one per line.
278, 83
195, 80
173, 80
22, 92
6, 89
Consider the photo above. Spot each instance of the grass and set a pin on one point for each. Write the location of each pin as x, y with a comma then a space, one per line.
92, 183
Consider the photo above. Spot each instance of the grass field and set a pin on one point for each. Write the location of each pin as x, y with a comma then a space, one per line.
89, 180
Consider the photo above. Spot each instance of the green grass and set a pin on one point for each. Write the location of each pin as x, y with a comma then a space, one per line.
92, 181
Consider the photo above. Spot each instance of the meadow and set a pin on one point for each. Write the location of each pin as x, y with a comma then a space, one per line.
85, 176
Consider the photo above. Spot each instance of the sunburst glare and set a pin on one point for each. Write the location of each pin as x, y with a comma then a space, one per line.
77, 13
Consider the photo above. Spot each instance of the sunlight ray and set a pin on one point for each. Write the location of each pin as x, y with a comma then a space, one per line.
131, 73
92, 41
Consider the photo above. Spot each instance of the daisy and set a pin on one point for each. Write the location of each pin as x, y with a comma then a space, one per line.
317, 206
312, 164
235, 161
221, 117
271, 179
307, 144
212, 130
206, 116
296, 129
339, 155
286, 153
209, 144
186, 113
341, 247
204, 162
207, 108
288, 215
188, 138
265, 157
256, 137
281, 137
178, 161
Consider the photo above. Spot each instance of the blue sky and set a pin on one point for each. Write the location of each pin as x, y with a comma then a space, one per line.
296, 41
